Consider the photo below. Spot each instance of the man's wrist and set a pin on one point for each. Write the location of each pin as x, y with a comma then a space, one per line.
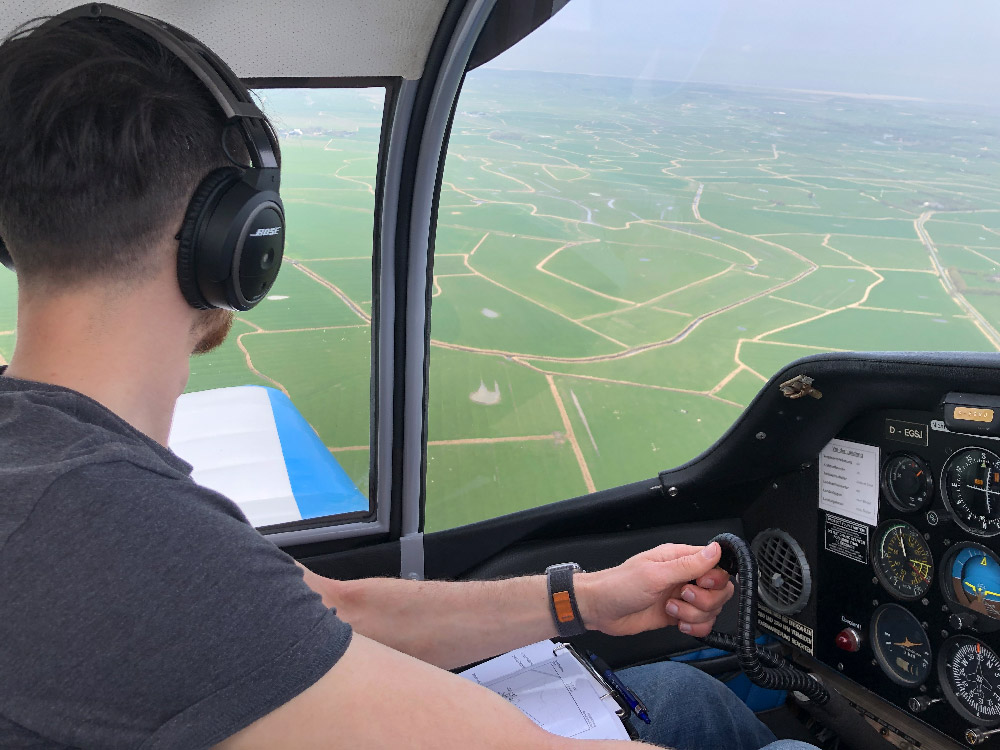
586, 594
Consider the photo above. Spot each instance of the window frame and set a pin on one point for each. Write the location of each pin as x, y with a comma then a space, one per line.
375, 520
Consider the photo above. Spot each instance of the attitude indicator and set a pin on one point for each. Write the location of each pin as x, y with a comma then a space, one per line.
974, 579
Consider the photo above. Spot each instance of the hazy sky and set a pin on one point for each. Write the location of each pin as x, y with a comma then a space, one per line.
942, 50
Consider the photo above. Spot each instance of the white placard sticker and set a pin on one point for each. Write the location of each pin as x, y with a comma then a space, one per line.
848, 480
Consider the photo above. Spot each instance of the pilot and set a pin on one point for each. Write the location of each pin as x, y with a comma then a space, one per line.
138, 609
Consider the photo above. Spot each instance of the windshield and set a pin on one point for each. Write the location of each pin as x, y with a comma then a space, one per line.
650, 207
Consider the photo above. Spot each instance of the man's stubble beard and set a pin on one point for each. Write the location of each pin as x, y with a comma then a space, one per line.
212, 327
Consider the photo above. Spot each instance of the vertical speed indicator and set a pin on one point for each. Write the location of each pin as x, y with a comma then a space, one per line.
971, 483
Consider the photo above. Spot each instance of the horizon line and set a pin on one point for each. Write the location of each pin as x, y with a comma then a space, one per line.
849, 94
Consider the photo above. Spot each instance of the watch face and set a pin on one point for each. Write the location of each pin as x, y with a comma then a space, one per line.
570, 565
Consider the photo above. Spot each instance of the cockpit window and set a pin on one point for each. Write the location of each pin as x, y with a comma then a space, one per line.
648, 208
317, 318
8, 314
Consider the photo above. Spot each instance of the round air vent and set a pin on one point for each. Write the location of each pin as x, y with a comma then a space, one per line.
785, 581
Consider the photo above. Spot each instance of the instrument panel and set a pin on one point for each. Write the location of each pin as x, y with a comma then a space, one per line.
909, 606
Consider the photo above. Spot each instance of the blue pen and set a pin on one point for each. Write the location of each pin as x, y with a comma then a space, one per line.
637, 706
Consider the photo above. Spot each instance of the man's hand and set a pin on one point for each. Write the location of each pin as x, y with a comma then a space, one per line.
654, 589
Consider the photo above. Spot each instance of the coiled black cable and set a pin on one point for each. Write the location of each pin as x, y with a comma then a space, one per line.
762, 667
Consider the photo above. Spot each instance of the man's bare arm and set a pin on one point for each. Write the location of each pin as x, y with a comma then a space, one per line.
445, 623
379, 698
450, 624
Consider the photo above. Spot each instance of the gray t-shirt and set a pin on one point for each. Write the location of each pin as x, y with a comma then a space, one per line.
137, 609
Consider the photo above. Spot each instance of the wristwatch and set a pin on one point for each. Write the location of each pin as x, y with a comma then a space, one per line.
562, 599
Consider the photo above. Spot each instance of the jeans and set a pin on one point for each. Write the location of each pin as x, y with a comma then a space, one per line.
693, 711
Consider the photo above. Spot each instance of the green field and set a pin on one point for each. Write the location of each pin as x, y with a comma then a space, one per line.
8, 300
6, 345
618, 275
473, 482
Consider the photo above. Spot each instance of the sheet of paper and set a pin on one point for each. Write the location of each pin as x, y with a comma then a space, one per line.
553, 690
848, 480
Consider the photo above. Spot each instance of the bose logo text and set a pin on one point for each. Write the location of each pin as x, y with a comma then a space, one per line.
266, 231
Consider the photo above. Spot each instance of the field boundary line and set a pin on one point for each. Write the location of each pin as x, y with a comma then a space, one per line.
583, 418
354, 307
485, 441
541, 267
905, 270
796, 302
264, 331
630, 351
726, 380
473, 250
905, 312
655, 300
613, 381
252, 367
672, 312
533, 301
568, 426
356, 181
980, 322
797, 346
964, 247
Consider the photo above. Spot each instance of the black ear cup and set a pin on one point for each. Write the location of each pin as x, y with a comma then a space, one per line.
187, 272
5, 260
231, 242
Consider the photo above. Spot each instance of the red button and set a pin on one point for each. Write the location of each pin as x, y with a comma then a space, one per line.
848, 639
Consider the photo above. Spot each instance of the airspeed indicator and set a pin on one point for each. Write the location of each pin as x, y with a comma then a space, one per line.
902, 560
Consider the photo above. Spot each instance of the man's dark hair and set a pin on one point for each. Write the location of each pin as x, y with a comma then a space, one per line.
103, 136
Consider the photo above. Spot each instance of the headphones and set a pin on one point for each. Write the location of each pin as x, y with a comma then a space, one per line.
232, 238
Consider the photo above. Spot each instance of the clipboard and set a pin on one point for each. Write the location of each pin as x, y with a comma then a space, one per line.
558, 689
623, 709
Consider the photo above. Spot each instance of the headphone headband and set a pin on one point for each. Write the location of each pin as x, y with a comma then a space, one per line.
222, 83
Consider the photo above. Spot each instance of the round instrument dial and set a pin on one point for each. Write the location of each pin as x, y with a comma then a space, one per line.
970, 674
902, 560
971, 483
973, 579
901, 645
907, 482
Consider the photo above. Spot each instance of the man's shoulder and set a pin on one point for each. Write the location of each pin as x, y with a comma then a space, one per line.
45, 428
60, 453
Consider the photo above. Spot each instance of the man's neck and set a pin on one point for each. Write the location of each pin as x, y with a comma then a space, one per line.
120, 351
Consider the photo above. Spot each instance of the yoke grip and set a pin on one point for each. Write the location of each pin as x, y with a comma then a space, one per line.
729, 561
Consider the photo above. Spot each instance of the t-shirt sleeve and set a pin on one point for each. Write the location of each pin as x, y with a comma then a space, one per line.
146, 612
